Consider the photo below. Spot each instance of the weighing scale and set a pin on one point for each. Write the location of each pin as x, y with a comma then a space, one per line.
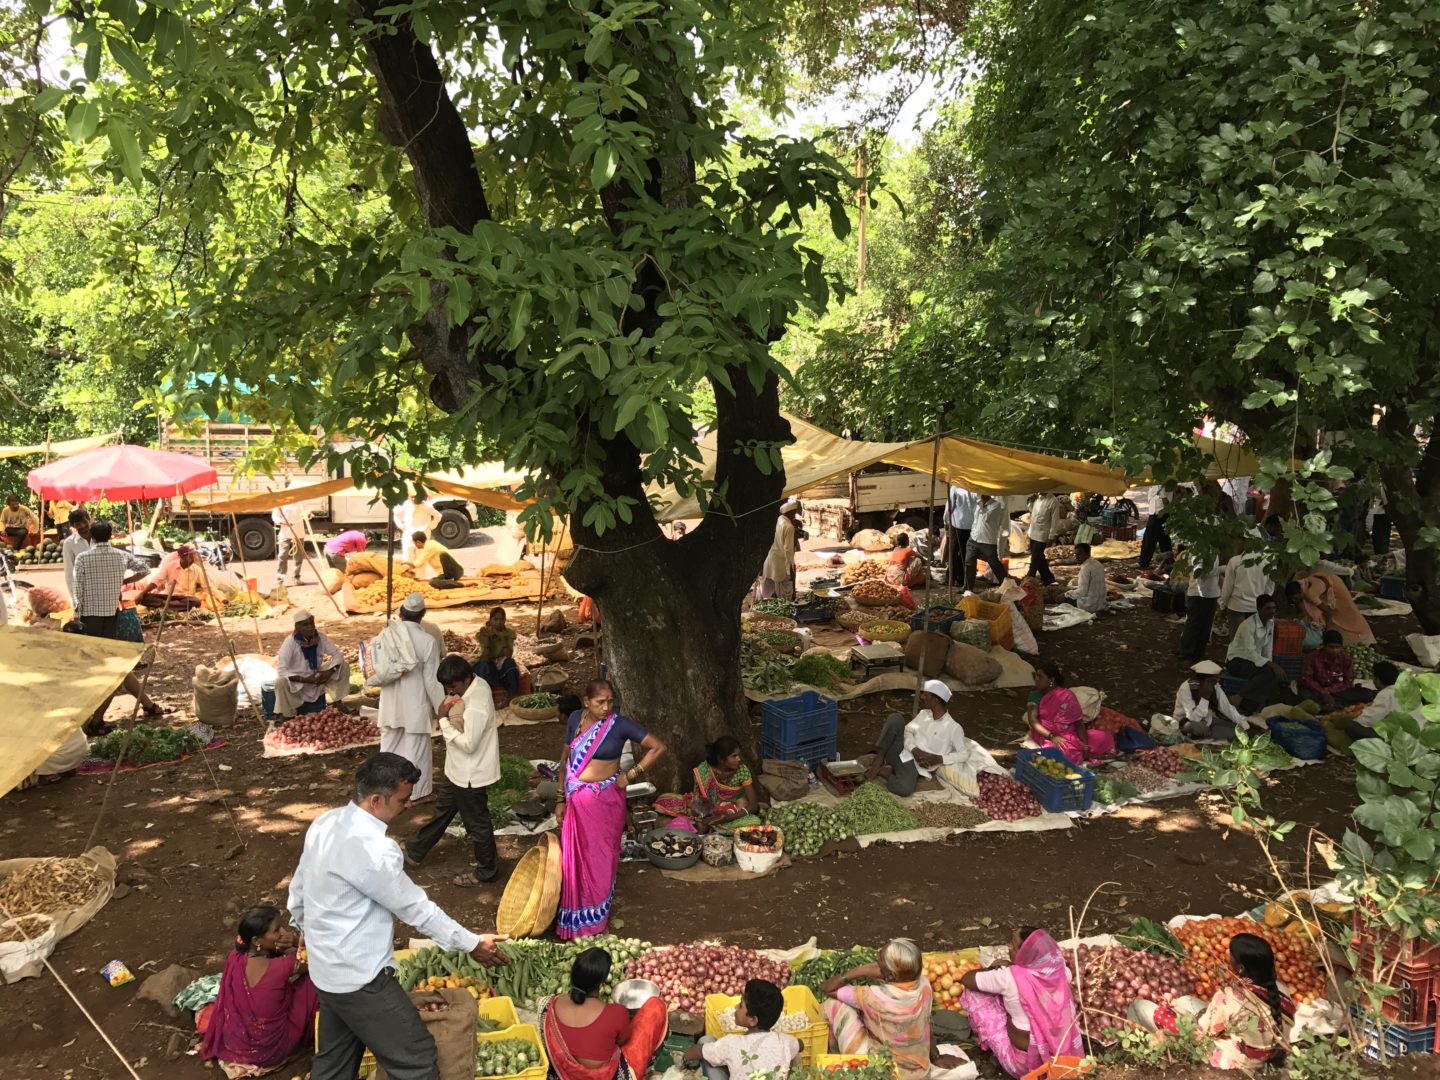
877, 659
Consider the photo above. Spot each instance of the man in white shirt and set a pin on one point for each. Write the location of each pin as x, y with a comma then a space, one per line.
777, 576
290, 520
74, 545
1202, 709
412, 517
309, 664
1045, 517
1089, 592
472, 764
345, 895
959, 520
908, 752
1201, 600
408, 705
1156, 537
1384, 675
1251, 656
992, 519
1247, 577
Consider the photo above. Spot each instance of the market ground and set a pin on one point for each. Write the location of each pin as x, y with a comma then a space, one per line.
201, 840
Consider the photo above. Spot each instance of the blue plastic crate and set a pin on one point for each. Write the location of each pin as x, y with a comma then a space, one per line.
812, 752
1400, 1039
799, 719
1303, 739
940, 619
1392, 587
1052, 793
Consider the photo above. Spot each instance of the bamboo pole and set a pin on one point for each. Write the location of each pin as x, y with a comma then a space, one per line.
934, 472
390, 565
218, 609
303, 553
245, 571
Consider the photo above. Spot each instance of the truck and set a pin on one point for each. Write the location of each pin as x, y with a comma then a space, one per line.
877, 497
225, 446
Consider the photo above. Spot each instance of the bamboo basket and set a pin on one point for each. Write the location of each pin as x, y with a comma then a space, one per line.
521, 900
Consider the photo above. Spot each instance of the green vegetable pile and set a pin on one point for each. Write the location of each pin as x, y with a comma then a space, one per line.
512, 787
781, 640
505, 1057
819, 970
762, 670
1364, 657
822, 670
871, 808
147, 745
808, 827
540, 969
1109, 790
1146, 935
243, 609
437, 963
774, 606
537, 701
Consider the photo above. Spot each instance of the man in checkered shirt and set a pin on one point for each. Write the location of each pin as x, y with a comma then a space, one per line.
99, 575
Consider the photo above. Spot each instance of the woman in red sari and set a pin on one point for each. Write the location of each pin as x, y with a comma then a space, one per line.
267, 1004
592, 809
588, 1039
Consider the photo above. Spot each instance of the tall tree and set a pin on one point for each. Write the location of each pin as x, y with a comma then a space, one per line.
575, 238
1234, 207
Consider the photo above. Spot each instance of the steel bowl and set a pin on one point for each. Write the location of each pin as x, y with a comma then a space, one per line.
632, 993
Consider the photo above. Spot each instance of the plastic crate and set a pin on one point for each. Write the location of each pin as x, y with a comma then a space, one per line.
1118, 532
827, 1062
500, 1010
672, 1049
1289, 639
800, 719
940, 619
1399, 1039
1054, 794
812, 751
528, 1033
1412, 952
1391, 587
1119, 516
1002, 633
817, 612
814, 1040
1167, 601
1414, 1001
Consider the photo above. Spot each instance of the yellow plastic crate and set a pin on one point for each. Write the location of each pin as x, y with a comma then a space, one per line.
825, 1062
814, 1040
528, 1033
368, 1065
501, 1010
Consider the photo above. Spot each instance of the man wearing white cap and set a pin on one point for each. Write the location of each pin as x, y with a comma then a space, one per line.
777, 577
1201, 707
308, 666
931, 747
408, 705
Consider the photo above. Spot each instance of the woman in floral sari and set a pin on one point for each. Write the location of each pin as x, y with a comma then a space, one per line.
724, 797
588, 1039
592, 808
266, 1007
1247, 1020
1056, 718
894, 1014
1023, 1012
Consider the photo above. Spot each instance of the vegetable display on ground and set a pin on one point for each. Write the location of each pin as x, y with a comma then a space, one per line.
1208, 943
1112, 977
440, 969
147, 745
945, 976
1005, 798
328, 729
819, 970
48, 885
686, 973
822, 670
505, 1057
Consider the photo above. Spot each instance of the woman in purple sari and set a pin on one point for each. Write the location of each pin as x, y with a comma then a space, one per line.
267, 1004
1023, 1012
592, 809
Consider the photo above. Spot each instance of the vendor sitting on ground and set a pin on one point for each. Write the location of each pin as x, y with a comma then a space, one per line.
1201, 708
496, 662
589, 1038
309, 664
906, 567
761, 1050
1023, 1012
1385, 676
894, 1014
432, 559
1328, 676
19, 522
929, 749
181, 569
1089, 592
724, 798
1056, 719
1251, 656
1295, 609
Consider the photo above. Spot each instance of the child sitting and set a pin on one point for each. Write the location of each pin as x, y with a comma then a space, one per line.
759, 1050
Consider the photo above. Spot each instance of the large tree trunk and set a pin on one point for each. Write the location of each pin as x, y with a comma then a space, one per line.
1413, 504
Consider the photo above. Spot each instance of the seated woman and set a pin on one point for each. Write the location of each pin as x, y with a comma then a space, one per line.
267, 1005
1295, 608
1326, 601
589, 1039
724, 798
496, 662
894, 1014
1328, 676
1056, 719
906, 567
1023, 1012
1248, 1019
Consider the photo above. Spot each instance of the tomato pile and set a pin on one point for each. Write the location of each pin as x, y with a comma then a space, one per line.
945, 976
328, 729
848, 1063
1208, 943
1162, 760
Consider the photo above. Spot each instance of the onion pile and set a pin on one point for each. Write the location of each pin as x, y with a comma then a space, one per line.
686, 973
1005, 799
328, 729
1164, 761
1112, 977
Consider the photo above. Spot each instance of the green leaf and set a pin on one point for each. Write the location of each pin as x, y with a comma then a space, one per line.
128, 59
519, 320
127, 150
1373, 754
48, 98
603, 166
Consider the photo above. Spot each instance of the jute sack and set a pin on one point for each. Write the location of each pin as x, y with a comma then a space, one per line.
216, 695
971, 666
785, 781
452, 1027
926, 651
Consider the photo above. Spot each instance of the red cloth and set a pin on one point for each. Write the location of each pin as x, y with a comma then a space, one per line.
261, 1024
598, 1041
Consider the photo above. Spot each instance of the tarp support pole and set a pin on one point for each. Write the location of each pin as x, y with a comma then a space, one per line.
303, 553
249, 589
218, 609
390, 564
934, 472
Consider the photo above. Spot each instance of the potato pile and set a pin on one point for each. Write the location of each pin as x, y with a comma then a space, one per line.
50, 885
869, 570
875, 593
404, 585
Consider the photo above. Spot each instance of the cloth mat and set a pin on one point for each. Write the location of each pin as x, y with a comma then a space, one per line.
703, 873
1015, 671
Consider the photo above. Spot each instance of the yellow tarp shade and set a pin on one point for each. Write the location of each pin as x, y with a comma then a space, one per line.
998, 470
263, 502
61, 449
53, 682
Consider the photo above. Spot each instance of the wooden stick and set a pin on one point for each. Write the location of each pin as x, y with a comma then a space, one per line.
305, 554
934, 471
245, 570
216, 606
390, 565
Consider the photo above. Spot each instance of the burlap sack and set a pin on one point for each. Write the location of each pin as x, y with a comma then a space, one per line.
926, 651
785, 781
971, 666
363, 578
974, 632
453, 1029
331, 580
216, 695
871, 540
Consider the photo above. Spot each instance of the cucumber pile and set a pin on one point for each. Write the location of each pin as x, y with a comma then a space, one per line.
425, 969
541, 969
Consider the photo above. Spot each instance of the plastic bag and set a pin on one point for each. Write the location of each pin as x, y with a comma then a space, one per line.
26, 959
1426, 648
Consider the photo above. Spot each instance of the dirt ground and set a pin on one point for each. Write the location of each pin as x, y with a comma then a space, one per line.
199, 841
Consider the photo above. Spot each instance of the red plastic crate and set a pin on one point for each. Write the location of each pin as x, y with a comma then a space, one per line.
1414, 953
1118, 532
1289, 638
1414, 1001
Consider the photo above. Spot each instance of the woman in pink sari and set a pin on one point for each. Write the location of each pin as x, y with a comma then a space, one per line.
267, 1005
592, 809
1023, 1012
1056, 718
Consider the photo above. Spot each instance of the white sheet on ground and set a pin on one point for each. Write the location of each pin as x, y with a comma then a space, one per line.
1064, 616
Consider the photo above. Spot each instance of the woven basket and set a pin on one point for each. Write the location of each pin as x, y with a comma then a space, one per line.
522, 713
885, 631
549, 902
521, 900
769, 622
853, 619
889, 600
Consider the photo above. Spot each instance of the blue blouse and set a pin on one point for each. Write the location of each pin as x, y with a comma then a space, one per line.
612, 746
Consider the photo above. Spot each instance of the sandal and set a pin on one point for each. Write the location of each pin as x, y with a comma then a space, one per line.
154, 709
467, 881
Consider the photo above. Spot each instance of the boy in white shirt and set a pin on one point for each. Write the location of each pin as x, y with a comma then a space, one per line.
760, 1049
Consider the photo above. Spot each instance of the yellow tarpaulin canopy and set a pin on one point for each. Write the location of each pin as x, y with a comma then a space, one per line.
53, 682
264, 501
61, 449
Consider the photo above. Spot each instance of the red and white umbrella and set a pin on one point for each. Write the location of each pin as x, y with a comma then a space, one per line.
120, 474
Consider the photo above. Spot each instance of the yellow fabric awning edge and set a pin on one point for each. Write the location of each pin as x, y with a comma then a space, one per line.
64, 448
265, 501
53, 682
